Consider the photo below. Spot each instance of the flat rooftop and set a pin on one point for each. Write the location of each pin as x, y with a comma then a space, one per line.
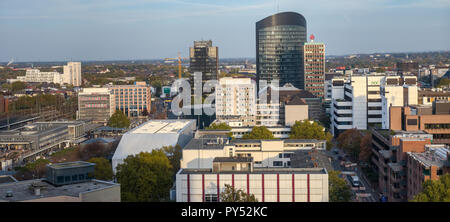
161, 126
432, 157
21, 190
69, 165
257, 170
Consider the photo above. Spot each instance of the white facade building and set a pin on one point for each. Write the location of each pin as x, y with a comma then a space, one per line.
356, 102
153, 134
236, 101
72, 73
397, 91
35, 75
199, 153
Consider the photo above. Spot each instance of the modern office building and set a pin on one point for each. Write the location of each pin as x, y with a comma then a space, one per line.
96, 104
72, 74
236, 101
314, 57
280, 40
356, 103
132, 99
154, 134
204, 58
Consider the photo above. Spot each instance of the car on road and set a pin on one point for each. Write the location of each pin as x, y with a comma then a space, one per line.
355, 181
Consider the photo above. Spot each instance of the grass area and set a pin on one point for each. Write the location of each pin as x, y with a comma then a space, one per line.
64, 152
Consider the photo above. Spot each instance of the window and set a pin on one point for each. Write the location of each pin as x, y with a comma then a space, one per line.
67, 179
277, 163
210, 197
60, 179
80, 176
280, 155
74, 177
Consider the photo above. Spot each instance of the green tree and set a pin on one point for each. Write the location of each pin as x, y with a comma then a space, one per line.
435, 190
174, 154
259, 133
231, 194
17, 86
145, 177
443, 82
366, 148
339, 189
119, 120
37, 168
220, 126
350, 141
310, 130
103, 169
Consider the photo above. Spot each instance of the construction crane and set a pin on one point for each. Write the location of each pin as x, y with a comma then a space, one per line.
179, 63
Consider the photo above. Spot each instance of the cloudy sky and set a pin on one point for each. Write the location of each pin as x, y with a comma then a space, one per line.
60, 30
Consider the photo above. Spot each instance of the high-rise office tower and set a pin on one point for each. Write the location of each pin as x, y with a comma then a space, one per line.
314, 67
279, 48
72, 73
204, 58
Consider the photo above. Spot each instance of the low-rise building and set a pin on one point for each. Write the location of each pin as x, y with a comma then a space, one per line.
428, 165
200, 152
96, 104
267, 184
132, 99
65, 182
154, 134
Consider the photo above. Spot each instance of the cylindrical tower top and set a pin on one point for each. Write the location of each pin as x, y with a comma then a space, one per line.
283, 18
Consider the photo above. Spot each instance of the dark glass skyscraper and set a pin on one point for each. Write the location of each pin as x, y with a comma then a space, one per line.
279, 48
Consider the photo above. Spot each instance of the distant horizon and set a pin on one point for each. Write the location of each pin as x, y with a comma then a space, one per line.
107, 30
152, 59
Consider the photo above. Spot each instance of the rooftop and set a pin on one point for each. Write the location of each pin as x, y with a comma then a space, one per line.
233, 159
68, 165
23, 190
433, 156
257, 170
161, 126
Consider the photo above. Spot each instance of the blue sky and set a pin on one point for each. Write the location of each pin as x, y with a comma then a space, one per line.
60, 30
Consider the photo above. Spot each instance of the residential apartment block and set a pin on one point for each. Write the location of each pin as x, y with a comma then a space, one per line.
72, 74
236, 101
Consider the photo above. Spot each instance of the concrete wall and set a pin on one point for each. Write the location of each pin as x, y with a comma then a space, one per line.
295, 113
109, 194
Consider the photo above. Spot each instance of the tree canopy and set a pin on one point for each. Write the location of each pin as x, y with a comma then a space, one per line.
220, 126
17, 86
443, 82
259, 133
174, 154
339, 189
103, 168
145, 177
307, 130
119, 120
231, 194
350, 141
435, 190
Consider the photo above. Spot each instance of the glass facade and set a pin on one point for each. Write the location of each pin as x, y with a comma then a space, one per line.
279, 48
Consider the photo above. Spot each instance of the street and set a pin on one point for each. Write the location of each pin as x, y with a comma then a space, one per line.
367, 195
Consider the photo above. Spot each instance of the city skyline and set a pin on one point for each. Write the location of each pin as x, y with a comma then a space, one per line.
141, 30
